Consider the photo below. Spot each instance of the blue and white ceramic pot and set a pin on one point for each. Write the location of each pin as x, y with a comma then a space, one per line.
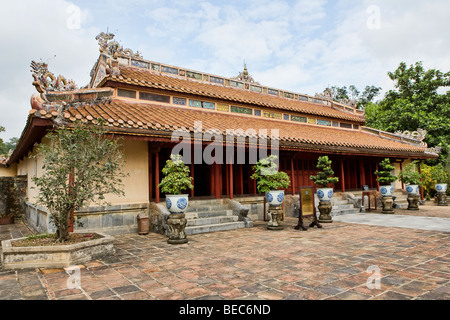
325, 194
275, 197
412, 189
441, 187
387, 191
177, 203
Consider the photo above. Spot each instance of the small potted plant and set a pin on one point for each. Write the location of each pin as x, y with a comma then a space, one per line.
270, 181
413, 179
440, 176
6, 219
323, 179
176, 180
385, 177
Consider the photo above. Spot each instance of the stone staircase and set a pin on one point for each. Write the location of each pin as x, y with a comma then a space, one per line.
213, 215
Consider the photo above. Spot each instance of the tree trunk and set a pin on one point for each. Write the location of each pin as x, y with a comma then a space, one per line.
63, 230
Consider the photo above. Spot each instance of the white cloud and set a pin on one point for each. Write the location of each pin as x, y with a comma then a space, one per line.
33, 30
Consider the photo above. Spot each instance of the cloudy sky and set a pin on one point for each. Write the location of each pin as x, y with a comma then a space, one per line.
298, 45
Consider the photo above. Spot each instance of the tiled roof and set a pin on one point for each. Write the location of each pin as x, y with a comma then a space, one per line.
146, 119
150, 79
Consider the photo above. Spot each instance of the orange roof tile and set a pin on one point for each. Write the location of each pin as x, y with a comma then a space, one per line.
140, 118
150, 79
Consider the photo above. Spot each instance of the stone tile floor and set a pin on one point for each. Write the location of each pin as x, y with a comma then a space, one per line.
328, 263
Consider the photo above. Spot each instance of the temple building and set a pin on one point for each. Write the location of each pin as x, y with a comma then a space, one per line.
153, 106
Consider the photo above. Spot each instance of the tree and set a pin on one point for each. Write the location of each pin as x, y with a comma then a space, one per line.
5, 147
384, 175
325, 175
415, 103
351, 96
268, 177
176, 177
81, 166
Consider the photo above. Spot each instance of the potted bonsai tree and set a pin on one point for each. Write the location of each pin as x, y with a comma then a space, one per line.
270, 181
176, 180
440, 176
413, 180
323, 179
385, 178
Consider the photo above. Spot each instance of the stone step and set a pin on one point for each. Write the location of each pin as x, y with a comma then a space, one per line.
197, 208
191, 230
207, 214
211, 220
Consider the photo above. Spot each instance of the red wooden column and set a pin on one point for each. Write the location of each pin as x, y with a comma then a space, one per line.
230, 171
227, 179
241, 178
376, 169
217, 180
157, 176
362, 172
421, 187
293, 176
342, 175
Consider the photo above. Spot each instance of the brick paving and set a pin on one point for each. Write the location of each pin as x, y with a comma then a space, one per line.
256, 264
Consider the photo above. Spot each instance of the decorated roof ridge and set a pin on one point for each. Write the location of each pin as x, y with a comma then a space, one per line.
131, 119
113, 56
415, 138
148, 79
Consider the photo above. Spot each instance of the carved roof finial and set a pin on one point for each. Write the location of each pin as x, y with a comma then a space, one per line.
245, 76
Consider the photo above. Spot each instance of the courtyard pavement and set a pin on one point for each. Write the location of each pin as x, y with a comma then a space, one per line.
343, 260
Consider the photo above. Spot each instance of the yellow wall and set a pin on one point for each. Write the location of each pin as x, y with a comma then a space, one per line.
136, 165
398, 183
8, 172
31, 166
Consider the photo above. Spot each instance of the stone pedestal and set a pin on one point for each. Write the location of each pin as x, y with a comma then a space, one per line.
177, 223
387, 203
442, 199
413, 202
275, 222
325, 212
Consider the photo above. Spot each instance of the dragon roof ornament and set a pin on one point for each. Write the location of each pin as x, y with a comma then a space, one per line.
418, 135
112, 48
45, 81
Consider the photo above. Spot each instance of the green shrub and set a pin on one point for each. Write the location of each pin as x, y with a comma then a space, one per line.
325, 174
176, 177
410, 175
384, 175
268, 177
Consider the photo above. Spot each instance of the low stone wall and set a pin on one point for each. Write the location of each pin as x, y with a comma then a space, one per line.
59, 256
112, 220
12, 196
255, 204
